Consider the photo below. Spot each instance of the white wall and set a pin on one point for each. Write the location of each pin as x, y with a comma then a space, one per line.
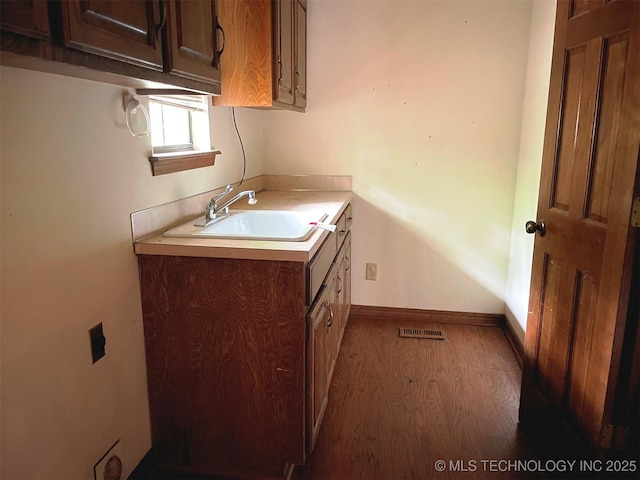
70, 176
421, 101
529, 162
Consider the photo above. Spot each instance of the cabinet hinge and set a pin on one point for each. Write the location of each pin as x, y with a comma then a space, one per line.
635, 212
614, 437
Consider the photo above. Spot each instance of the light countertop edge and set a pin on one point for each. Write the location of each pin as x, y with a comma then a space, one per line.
332, 203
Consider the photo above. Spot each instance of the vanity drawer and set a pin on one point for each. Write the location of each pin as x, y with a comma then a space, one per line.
319, 266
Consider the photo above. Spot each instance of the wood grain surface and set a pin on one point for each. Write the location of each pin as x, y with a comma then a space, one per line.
225, 349
398, 405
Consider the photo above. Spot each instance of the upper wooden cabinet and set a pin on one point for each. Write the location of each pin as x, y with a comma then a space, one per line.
265, 58
136, 43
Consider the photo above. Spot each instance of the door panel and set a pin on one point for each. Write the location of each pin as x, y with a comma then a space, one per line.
300, 49
565, 157
283, 41
616, 52
579, 407
580, 282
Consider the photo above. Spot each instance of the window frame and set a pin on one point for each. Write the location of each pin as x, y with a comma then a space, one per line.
178, 157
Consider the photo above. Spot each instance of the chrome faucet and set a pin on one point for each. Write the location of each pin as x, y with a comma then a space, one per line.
212, 210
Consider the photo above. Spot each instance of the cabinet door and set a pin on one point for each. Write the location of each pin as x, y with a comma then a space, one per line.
300, 75
344, 285
283, 69
331, 302
25, 17
124, 30
346, 310
191, 41
318, 364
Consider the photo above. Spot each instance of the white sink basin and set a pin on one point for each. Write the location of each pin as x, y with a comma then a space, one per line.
288, 226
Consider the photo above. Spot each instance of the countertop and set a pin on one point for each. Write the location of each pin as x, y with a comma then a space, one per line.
332, 203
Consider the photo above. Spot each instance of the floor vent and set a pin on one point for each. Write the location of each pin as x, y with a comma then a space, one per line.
432, 334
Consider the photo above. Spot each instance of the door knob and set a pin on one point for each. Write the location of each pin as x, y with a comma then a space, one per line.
533, 227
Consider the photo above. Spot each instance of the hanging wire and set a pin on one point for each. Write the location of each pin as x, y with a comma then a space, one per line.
244, 156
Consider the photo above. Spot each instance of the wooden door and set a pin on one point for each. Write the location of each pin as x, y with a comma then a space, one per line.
124, 30
581, 268
191, 40
284, 54
300, 78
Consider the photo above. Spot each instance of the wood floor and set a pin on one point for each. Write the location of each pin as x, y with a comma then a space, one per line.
398, 405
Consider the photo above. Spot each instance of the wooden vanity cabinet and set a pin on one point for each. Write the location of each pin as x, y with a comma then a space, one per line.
265, 59
145, 44
225, 346
240, 355
327, 318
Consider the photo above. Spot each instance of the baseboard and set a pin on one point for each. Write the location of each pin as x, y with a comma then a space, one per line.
443, 316
514, 341
440, 316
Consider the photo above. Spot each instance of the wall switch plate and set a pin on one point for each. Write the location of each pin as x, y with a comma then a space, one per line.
371, 272
98, 341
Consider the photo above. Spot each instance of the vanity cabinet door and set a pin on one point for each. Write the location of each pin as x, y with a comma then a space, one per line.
321, 354
120, 30
343, 286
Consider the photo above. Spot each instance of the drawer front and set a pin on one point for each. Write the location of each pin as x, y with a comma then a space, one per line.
344, 225
348, 214
319, 266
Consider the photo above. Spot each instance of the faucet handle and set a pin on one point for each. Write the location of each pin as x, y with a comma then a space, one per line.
215, 198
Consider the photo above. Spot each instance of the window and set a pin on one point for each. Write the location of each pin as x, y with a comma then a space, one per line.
179, 123
180, 133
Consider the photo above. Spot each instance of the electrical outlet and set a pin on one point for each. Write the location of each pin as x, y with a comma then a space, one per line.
371, 272
98, 341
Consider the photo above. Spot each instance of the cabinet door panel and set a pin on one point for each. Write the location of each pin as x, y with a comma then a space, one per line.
318, 365
123, 30
191, 40
25, 17
300, 94
284, 54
